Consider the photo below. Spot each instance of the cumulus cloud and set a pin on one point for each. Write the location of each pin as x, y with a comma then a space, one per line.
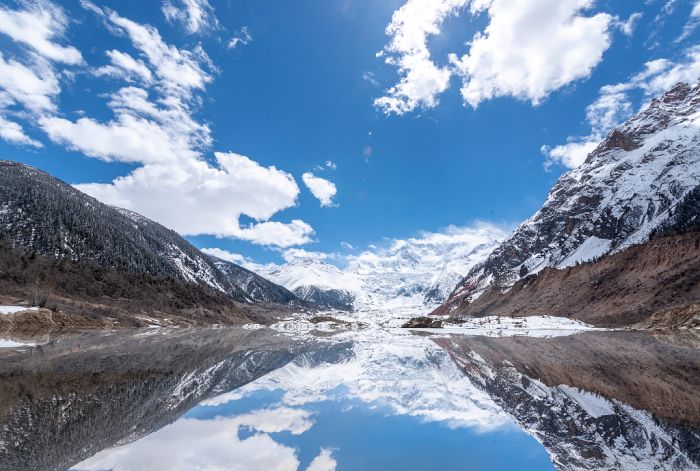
614, 105
324, 190
530, 49
193, 197
527, 50
323, 462
196, 16
213, 444
421, 79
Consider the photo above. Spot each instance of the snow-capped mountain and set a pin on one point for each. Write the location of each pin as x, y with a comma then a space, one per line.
45, 215
615, 199
415, 272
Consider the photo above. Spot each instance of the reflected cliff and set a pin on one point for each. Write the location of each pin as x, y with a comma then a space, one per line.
598, 400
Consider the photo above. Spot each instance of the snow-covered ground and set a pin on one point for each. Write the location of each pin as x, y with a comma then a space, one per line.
7, 343
393, 319
13, 309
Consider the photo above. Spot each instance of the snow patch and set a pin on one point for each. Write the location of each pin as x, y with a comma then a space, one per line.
14, 309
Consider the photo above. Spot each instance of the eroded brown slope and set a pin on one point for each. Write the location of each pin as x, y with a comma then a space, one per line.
617, 290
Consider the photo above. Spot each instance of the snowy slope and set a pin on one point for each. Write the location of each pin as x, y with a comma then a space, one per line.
622, 191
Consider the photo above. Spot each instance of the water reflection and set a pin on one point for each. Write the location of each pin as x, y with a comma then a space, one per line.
236, 399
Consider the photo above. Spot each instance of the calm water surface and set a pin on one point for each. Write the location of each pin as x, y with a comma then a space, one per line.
236, 399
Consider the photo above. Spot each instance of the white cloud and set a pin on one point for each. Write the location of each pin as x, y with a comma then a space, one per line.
37, 26
327, 165
242, 37
614, 105
695, 13
196, 16
192, 197
530, 49
571, 155
321, 188
125, 67
527, 50
142, 131
290, 255
14, 134
369, 77
323, 462
32, 86
179, 70
421, 79
214, 445
225, 255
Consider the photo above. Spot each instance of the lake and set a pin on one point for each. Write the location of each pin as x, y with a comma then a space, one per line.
374, 399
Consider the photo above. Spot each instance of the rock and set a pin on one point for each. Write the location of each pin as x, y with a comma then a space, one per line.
423, 323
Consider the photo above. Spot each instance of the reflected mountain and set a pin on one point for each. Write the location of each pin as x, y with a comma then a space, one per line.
183, 399
64, 401
597, 400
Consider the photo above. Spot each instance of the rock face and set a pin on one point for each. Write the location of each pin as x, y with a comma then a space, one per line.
597, 400
616, 198
42, 214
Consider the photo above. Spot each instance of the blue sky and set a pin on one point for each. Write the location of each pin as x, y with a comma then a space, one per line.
440, 128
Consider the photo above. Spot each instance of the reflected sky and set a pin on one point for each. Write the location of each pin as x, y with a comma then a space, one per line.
256, 431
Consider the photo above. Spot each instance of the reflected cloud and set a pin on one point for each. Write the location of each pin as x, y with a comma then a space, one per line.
215, 445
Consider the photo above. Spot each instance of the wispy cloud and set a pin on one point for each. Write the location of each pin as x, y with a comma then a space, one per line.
196, 16
241, 37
